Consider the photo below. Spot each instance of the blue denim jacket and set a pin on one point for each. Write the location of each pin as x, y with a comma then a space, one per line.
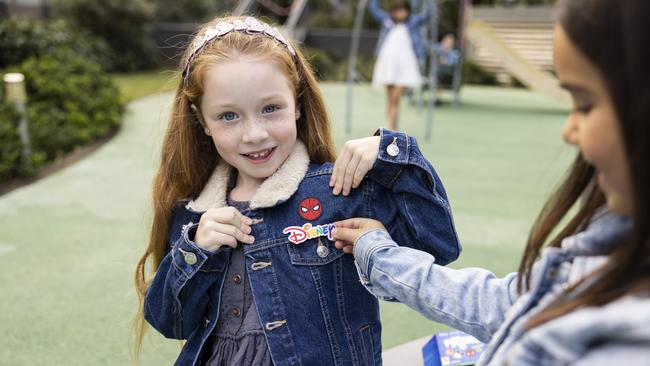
312, 307
414, 24
475, 301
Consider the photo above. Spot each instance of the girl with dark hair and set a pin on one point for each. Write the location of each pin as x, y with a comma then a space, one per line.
400, 51
582, 292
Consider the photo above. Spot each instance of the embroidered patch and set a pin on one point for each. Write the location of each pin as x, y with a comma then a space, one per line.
310, 208
299, 234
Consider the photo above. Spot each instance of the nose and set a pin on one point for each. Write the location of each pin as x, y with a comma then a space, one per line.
570, 131
254, 131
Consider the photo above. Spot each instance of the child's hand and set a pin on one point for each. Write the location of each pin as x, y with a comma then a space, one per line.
348, 231
356, 159
223, 226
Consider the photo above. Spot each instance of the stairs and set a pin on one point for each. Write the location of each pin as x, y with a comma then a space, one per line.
516, 42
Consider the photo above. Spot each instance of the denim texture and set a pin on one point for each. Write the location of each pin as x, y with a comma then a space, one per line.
414, 24
475, 301
313, 308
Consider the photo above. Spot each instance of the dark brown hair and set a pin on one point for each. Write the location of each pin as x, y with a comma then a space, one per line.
615, 36
400, 4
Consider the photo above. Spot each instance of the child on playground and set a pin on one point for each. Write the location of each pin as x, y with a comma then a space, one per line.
245, 265
582, 292
400, 52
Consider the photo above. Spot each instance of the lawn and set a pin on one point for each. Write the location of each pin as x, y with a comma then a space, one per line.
137, 85
70, 242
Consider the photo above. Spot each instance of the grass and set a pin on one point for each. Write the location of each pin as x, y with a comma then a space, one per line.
70, 242
137, 85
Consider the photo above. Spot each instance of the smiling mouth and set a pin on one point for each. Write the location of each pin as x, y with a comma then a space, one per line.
260, 155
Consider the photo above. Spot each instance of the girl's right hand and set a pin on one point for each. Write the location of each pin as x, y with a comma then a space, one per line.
348, 231
223, 226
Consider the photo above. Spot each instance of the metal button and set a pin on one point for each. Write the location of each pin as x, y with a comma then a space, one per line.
236, 312
236, 279
322, 251
392, 149
190, 258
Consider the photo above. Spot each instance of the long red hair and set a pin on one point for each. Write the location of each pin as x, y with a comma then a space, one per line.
189, 156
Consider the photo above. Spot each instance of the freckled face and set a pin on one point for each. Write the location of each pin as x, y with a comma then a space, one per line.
249, 108
593, 125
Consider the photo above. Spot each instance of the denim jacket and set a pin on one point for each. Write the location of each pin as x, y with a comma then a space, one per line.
475, 301
414, 23
312, 307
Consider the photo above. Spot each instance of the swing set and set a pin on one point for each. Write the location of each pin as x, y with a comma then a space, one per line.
431, 37
295, 10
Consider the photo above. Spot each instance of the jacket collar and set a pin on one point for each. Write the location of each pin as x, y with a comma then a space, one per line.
606, 231
277, 188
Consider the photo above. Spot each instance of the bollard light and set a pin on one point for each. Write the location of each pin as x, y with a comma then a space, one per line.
15, 88
16, 94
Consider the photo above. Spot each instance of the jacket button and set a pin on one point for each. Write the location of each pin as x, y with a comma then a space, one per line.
393, 149
190, 258
236, 279
236, 312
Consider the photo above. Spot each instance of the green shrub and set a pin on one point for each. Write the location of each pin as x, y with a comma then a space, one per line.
71, 102
329, 67
187, 10
21, 39
475, 74
9, 142
121, 23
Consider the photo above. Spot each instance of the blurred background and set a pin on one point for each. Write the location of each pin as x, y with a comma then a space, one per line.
80, 143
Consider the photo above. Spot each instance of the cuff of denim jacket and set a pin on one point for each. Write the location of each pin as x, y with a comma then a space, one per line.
366, 246
388, 167
189, 258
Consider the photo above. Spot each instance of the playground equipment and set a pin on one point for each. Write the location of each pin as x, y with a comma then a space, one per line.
431, 38
517, 41
293, 13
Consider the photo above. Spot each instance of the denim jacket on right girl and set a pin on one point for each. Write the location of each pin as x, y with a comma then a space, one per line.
475, 301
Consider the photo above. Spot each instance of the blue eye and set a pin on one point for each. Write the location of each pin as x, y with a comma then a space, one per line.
270, 109
229, 116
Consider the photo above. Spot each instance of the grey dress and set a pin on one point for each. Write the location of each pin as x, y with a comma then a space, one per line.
238, 338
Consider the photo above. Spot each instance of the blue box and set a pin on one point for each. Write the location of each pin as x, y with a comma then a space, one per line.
452, 348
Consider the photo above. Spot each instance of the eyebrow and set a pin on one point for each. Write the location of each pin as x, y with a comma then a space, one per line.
575, 88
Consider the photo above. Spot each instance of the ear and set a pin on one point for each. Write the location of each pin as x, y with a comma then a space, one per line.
297, 111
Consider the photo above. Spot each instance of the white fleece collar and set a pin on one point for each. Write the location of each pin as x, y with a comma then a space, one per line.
275, 189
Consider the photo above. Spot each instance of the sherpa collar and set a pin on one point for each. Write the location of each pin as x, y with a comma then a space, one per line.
275, 189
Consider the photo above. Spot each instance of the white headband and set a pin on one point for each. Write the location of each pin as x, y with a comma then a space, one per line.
249, 25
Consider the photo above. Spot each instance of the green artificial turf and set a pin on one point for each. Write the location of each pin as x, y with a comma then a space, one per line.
69, 243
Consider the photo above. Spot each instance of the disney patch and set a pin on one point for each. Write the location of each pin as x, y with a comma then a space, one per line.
299, 234
310, 209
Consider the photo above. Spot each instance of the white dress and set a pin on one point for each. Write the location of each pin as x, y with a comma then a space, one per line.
396, 62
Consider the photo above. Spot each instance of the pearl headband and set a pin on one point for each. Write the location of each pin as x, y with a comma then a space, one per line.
249, 25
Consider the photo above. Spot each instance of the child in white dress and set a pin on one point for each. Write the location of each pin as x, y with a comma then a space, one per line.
400, 49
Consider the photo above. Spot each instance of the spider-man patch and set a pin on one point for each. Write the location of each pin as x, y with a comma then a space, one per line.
310, 209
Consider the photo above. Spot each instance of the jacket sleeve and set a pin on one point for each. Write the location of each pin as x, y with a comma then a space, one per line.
177, 298
423, 16
377, 12
407, 196
472, 300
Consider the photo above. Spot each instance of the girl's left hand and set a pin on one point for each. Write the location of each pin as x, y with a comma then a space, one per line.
356, 159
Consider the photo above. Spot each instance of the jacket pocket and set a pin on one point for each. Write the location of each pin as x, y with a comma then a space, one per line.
313, 252
368, 346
